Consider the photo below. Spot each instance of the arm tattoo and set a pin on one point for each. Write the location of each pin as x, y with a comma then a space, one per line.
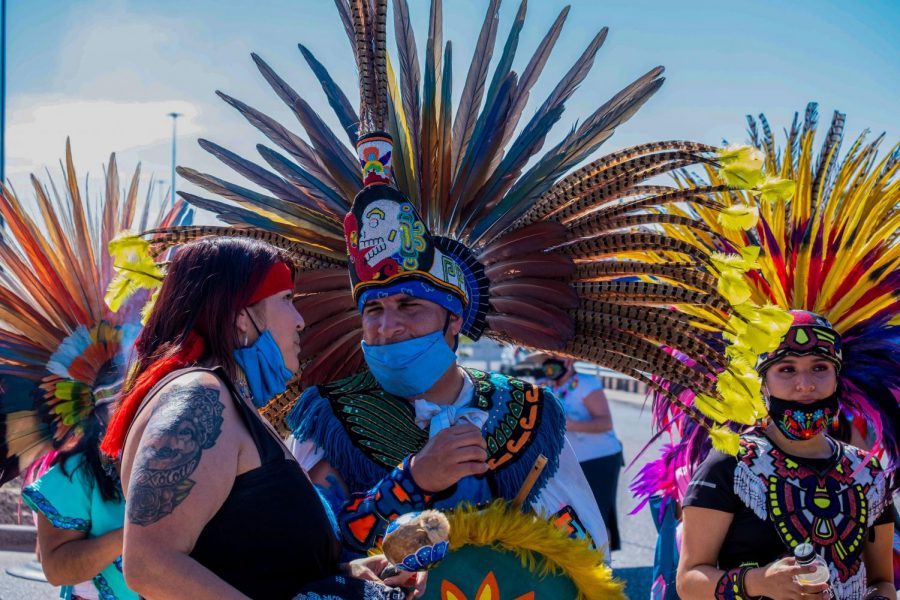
186, 421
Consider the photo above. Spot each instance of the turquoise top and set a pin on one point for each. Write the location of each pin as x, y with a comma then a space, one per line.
74, 502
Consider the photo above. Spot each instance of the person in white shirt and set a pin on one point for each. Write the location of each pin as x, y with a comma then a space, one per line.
589, 428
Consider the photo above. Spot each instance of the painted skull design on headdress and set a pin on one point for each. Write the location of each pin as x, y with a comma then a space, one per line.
391, 250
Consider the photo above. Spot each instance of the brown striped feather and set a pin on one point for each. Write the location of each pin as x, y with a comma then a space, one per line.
538, 264
555, 318
316, 307
535, 237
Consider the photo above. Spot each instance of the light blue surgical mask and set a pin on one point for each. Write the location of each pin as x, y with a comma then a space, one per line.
411, 367
263, 364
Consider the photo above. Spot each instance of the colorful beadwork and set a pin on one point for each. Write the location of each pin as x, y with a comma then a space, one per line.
567, 520
809, 334
731, 585
831, 509
48, 510
364, 520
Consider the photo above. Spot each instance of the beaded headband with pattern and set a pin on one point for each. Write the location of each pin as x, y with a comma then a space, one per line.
809, 334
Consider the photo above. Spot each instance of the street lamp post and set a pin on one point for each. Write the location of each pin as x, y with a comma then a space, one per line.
174, 116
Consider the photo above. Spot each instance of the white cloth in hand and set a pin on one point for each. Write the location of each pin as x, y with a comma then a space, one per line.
442, 416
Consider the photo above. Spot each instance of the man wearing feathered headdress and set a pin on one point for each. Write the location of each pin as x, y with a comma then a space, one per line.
417, 430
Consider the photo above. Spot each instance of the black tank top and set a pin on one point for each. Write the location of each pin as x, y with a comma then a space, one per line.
273, 534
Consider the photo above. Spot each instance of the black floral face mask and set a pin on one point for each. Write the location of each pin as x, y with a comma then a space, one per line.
802, 420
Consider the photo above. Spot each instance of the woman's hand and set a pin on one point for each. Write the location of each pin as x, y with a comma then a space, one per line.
371, 567
776, 581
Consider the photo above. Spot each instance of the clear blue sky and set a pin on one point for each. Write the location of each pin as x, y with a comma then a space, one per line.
107, 71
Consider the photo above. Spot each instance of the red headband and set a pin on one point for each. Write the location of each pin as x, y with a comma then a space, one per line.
278, 279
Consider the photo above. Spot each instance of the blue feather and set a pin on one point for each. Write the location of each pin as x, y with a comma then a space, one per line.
473, 91
261, 177
284, 138
580, 143
71, 348
526, 145
337, 159
485, 127
344, 12
409, 82
336, 98
485, 144
533, 70
244, 196
313, 186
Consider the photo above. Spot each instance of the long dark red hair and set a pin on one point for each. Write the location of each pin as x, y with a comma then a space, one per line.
207, 284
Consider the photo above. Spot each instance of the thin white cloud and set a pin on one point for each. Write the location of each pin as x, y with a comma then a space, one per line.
38, 126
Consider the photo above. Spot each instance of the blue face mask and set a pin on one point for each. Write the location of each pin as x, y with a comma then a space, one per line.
263, 365
411, 367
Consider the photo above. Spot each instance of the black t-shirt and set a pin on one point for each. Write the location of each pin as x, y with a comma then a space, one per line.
749, 540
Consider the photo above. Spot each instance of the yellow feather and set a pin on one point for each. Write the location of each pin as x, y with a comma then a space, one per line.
725, 440
540, 546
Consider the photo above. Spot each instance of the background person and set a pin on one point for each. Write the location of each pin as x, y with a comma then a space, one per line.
589, 428
80, 515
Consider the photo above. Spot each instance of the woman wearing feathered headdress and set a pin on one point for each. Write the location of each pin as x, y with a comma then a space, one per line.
791, 486
63, 352
831, 249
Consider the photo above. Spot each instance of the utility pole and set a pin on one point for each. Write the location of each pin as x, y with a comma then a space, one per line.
174, 116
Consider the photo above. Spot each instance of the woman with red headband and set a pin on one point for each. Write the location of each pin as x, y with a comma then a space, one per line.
793, 492
216, 506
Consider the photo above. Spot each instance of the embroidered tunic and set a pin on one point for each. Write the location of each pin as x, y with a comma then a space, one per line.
800, 499
368, 435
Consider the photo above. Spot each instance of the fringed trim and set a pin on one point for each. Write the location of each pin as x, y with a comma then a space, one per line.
548, 440
751, 490
312, 419
541, 547
877, 498
852, 589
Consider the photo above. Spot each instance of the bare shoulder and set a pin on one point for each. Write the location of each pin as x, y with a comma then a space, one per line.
181, 426
196, 390
197, 399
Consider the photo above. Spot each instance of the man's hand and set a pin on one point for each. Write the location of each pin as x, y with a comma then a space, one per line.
452, 454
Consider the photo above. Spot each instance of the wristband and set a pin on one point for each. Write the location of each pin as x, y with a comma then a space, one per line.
731, 584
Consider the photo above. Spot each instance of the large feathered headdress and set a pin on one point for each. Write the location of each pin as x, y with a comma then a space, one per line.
61, 347
833, 249
552, 257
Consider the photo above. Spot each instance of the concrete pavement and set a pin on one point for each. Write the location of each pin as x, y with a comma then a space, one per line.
16, 588
634, 561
